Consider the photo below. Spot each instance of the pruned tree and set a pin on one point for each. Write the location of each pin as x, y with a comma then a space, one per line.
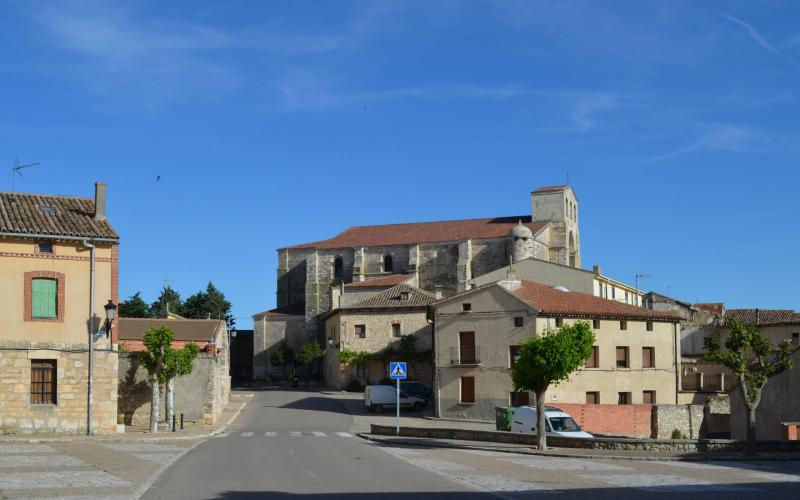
178, 363
283, 355
551, 358
753, 359
158, 342
308, 354
134, 307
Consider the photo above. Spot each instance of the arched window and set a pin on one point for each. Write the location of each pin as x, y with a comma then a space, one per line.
388, 264
338, 268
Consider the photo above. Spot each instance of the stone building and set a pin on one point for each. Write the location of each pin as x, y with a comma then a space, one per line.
478, 333
47, 244
202, 395
373, 325
441, 256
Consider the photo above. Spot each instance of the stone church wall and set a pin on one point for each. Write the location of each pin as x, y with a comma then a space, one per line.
438, 267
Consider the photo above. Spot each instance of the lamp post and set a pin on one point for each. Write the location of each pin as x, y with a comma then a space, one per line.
111, 314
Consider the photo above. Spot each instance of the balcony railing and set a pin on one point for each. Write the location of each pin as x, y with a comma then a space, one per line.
704, 382
465, 355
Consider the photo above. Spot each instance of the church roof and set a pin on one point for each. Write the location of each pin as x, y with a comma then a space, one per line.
381, 281
52, 216
298, 309
547, 189
423, 232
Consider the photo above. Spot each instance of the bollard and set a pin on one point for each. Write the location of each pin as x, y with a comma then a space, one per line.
181, 421
173, 423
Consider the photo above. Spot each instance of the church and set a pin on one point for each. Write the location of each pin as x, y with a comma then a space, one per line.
440, 257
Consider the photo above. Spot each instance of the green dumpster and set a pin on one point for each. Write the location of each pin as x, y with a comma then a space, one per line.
503, 416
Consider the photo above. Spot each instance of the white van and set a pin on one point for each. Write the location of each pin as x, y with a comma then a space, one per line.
556, 422
378, 397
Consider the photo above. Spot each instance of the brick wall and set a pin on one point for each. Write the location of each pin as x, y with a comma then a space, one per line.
615, 420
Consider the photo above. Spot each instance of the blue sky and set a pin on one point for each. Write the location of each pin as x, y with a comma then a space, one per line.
273, 123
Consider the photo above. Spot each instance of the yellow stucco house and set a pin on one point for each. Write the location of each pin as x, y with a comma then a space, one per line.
48, 246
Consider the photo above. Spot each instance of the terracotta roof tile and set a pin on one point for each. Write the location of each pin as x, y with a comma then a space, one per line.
545, 189
392, 298
61, 216
298, 309
765, 316
423, 232
553, 302
716, 308
185, 330
381, 281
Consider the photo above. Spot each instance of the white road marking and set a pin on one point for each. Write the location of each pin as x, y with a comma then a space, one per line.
344, 434
63, 479
312, 475
224, 435
319, 434
270, 434
663, 483
246, 434
556, 463
296, 434
26, 448
39, 461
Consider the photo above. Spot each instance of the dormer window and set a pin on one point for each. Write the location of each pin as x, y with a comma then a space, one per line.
403, 295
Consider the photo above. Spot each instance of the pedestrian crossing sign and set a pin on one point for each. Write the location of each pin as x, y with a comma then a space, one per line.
397, 370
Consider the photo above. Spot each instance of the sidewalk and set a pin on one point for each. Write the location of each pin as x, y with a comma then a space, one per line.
582, 453
141, 433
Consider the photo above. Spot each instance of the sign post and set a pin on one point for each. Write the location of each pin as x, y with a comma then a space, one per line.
398, 372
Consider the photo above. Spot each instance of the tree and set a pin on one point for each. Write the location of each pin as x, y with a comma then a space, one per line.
158, 342
168, 302
210, 303
134, 307
548, 359
177, 363
308, 354
753, 359
282, 356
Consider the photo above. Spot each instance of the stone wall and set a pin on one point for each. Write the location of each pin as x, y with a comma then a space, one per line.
267, 336
68, 415
688, 419
200, 396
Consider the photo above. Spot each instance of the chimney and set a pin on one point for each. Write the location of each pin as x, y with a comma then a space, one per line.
99, 201
596, 270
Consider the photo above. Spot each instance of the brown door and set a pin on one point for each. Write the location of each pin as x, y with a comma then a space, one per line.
466, 344
467, 389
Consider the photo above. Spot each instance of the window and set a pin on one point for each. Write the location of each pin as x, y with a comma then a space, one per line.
593, 361
624, 398
626, 296
649, 397
613, 293
648, 357
466, 307
338, 268
396, 330
43, 382
44, 301
623, 324
518, 321
649, 326
559, 322
361, 331
622, 357
467, 389
593, 398
466, 344
596, 324
404, 295
388, 264
44, 247
514, 353
520, 399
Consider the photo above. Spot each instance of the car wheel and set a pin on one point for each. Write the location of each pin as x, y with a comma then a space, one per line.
378, 408
417, 407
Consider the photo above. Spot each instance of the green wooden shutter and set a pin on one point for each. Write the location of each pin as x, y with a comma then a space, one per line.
43, 298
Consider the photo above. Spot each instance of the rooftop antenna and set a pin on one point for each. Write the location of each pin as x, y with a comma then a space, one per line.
17, 170
568, 179
641, 275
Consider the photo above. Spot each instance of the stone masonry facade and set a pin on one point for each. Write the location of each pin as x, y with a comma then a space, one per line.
68, 415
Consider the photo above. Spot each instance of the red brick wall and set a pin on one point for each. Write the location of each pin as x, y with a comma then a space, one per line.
617, 420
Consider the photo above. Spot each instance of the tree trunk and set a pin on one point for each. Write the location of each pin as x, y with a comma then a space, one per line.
541, 432
751, 428
155, 403
170, 399
750, 404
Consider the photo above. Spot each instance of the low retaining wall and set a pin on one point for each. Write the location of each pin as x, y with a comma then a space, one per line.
625, 420
687, 445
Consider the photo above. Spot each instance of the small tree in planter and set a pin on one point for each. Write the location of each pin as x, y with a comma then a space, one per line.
308, 354
282, 356
158, 342
178, 362
550, 358
753, 359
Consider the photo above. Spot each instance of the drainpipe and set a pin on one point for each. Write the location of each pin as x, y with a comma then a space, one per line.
676, 329
90, 395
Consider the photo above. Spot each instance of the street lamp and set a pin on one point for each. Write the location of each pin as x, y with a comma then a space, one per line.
111, 315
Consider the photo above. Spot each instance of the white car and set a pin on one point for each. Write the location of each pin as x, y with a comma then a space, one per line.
378, 397
557, 423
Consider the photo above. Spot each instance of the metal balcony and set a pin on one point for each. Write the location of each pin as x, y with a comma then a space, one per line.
465, 356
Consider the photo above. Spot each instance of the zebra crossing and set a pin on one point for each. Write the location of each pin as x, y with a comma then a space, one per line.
293, 434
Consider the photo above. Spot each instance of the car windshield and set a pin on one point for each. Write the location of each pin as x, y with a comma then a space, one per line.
564, 424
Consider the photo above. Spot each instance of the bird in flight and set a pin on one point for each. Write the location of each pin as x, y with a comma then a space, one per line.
158, 178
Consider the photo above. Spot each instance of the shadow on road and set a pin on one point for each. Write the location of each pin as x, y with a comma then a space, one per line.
315, 403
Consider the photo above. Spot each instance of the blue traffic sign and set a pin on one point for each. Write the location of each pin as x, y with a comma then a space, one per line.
397, 370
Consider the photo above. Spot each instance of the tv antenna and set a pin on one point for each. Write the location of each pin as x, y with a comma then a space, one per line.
639, 276
17, 170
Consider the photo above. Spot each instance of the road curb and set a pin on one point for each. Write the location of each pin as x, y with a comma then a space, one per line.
434, 443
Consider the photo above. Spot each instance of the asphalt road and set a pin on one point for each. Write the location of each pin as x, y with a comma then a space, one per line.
286, 444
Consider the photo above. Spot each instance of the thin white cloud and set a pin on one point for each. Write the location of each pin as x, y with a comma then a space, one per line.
731, 138
760, 40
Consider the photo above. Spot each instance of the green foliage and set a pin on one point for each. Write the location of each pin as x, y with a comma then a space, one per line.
179, 362
310, 352
134, 307
404, 350
158, 342
551, 357
750, 356
676, 434
354, 386
283, 356
210, 303
353, 358
168, 300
